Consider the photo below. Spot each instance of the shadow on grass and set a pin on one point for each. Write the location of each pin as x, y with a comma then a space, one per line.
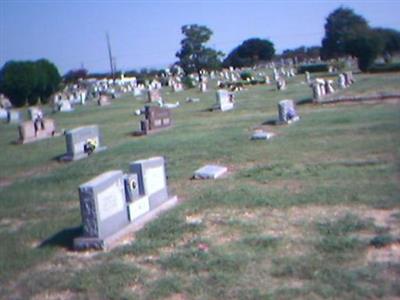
304, 101
271, 122
63, 239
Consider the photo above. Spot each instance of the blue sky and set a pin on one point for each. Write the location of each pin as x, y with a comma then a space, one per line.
148, 33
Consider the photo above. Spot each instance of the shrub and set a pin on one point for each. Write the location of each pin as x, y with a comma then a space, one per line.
313, 68
245, 75
188, 82
381, 68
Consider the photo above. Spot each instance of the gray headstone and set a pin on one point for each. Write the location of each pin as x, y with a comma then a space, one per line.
34, 113
77, 140
287, 111
224, 100
152, 179
103, 205
3, 114
14, 116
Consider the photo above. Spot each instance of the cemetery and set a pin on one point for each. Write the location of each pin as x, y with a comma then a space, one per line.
262, 181
273, 177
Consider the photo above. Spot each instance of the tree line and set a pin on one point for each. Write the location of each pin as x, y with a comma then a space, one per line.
346, 33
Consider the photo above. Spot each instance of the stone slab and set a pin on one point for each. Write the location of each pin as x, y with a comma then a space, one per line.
103, 205
83, 243
210, 172
262, 135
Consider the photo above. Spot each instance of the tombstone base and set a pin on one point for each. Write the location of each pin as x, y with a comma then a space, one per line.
150, 132
295, 119
84, 243
38, 138
69, 157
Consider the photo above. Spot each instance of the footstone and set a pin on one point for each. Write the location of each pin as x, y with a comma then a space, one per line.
261, 135
210, 172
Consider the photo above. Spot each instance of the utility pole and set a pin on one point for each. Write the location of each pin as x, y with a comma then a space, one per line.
110, 57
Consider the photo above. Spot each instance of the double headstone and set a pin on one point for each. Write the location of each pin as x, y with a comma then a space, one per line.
154, 95
155, 118
115, 204
225, 100
35, 113
82, 141
287, 112
31, 131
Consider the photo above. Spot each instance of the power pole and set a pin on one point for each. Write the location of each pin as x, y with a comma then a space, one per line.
110, 57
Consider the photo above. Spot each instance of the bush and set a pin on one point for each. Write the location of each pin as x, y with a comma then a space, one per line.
28, 81
188, 82
245, 75
313, 68
381, 68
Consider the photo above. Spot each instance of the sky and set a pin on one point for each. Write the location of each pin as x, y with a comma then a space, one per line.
72, 34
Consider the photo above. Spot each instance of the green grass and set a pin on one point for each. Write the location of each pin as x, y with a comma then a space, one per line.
286, 223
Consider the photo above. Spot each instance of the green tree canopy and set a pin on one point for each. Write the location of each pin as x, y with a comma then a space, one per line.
389, 38
341, 26
73, 76
194, 55
365, 47
250, 52
27, 81
302, 52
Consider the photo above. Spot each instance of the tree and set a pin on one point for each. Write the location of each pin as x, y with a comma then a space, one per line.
73, 76
250, 52
341, 26
302, 53
366, 48
390, 40
194, 55
48, 79
26, 81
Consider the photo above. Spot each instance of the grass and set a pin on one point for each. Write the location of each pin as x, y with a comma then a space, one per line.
290, 220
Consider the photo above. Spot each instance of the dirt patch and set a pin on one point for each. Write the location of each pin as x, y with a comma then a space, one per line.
7, 181
4, 182
65, 295
385, 218
11, 225
388, 254
177, 297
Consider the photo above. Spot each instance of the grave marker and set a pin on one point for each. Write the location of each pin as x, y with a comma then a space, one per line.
210, 172
225, 100
287, 112
81, 142
155, 118
103, 209
31, 131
